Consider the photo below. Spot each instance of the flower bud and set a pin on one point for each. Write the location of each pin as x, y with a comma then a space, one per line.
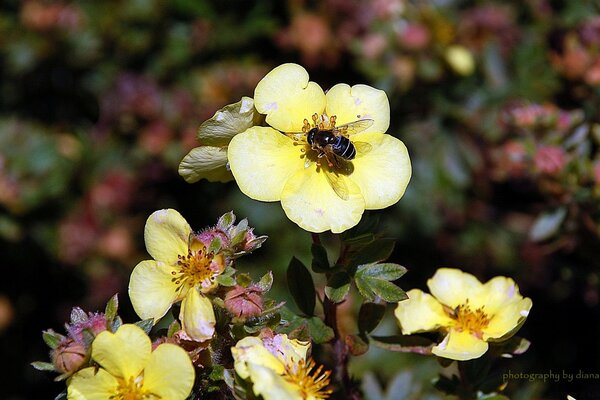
69, 356
244, 302
550, 160
94, 323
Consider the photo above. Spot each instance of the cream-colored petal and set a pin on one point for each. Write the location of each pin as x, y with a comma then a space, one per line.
166, 235
252, 349
309, 201
287, 97
289, 351
421, 312
91, 384
262, 160
169, 373
151, 289
383, 172
496, 293
270, 385
122, 354
507, 318
359, 102
460, 346
452, 287
205, 162
197, 316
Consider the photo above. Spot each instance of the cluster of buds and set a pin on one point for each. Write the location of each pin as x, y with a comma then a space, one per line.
541, 117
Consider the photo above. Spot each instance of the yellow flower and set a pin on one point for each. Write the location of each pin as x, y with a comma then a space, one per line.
182, 269
317, 195
130, 370
279, 368
470, 313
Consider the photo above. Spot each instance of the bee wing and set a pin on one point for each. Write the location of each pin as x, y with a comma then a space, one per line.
362, 148
355, 127
338, 184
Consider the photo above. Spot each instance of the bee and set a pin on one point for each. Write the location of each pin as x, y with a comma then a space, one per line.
334, 144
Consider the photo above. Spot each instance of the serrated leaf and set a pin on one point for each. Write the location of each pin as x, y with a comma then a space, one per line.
146, 325
229, 121
112, 307
301, 286
378, 250
386, 290
385, 271
265, 282
43, 366
403, 344
547, 224
226, 281
52, 339
320, 262
338, 286
369, 316
205, 162
319, 332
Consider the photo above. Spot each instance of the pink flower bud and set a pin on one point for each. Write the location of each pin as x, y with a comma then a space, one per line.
95, 324
69, 356
244, 302
550, 160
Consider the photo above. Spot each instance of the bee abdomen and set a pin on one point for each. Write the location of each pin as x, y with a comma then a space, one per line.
344, 148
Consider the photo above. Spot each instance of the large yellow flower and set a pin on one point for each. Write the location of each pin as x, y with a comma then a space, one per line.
271, 166
129, 369
279, 368
470, 313
182, 269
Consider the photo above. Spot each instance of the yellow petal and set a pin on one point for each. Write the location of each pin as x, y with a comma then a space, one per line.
169, 373
270, 385
309, 201
421, 312
151, 289
166, 235
262, 160
382, 173
359, 102
289, 351
91, 384
505, 321
453, 287
252, 349
287, 97
495, 294
460, 346
197, 316
205, 162
122, 354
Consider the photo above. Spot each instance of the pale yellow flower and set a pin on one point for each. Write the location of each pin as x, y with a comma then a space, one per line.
470, 313
271, 166
181, 269
279, 368
129, 369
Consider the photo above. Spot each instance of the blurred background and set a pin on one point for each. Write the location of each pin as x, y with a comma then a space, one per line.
497, 101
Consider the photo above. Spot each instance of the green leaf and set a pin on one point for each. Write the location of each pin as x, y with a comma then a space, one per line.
174, 327
43, 366
404, 344
357, 345
112, 307
146, 325
385, 271
338, 286
319, 332
379, 250
547, 224
370, 316
301, 286
226, 281
320, 262
386, 290
215, 245
265, 282
205, 162
52, 339
217, 373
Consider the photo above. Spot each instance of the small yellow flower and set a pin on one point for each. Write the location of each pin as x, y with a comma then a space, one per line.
279, 368
182, 269
470, 313
130, 370
271, 166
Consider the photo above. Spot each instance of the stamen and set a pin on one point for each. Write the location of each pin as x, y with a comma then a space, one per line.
312, 383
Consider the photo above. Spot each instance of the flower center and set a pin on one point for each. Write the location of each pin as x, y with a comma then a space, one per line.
132, 390
311, 383
466, 319
198, 268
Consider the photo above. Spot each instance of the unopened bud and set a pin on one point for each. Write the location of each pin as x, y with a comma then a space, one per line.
69, 356
244, 302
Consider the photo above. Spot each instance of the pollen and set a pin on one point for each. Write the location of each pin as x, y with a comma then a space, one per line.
198, 268
474, 321
132, 389
311, 382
